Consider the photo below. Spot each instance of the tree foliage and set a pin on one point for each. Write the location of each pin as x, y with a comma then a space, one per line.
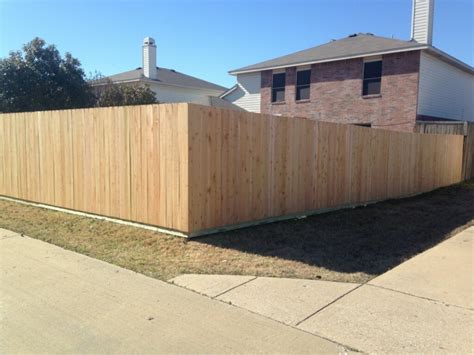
38, 78
110, 94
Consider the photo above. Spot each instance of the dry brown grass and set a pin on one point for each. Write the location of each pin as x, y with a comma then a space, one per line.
349, 245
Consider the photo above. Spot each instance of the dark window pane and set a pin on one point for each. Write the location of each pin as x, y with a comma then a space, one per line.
278, 87
303, 77
302, 92
373, 69
278, 94
371, 87
279, 80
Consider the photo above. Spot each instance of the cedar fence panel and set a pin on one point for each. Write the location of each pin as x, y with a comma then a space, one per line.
195, 169
462, 128
249, 167
123, 162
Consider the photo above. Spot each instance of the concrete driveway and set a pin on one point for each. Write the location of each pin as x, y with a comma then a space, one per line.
56, 301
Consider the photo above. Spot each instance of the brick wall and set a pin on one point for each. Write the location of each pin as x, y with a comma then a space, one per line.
336, 93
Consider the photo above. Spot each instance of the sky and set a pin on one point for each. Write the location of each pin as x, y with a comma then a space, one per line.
207, 38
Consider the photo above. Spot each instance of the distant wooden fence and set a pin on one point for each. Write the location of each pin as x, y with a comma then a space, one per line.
462, 128
442, 127
196, 169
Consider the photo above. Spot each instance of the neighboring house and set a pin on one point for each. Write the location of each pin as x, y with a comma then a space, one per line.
168, 84
363, 79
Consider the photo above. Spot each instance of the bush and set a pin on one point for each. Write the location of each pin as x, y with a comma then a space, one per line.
112, 94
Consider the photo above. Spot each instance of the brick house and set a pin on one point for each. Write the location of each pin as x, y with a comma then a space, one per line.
363, 79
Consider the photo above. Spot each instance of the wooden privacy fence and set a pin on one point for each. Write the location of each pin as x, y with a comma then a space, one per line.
463, 128
195, 169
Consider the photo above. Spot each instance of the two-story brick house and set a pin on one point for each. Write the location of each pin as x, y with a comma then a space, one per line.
363, 79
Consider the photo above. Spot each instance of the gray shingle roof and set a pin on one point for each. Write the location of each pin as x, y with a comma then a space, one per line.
165, 76
216, 102
354, 45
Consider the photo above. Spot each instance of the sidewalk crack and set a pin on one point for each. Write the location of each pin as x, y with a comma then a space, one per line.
233, 288
330, 303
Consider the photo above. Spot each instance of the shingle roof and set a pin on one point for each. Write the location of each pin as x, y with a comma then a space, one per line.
165, 76
216, 102
354, 45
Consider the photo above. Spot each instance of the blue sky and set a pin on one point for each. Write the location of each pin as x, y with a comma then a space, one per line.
207, 38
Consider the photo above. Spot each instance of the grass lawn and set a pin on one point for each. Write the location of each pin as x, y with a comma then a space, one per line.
349, 245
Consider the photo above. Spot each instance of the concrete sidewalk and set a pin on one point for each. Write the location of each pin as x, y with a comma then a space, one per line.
289, 301
423, 305
56, 301
444, 273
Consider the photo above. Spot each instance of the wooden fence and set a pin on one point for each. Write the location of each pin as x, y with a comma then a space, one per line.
124, 162
196, 169
465, 129
442, 127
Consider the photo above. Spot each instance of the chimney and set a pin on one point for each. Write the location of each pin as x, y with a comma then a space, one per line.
422, 21
149, 58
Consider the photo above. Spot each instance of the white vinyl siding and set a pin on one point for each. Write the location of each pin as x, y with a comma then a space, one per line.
422, 21
169, 93
247, 93
445, 91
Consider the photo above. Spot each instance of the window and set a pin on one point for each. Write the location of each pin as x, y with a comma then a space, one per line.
303, 80
278, 87
372, 78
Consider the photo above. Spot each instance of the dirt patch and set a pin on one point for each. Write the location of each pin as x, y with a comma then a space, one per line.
350, 245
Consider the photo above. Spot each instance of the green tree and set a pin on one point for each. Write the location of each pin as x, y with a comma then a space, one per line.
38, 78
110, 94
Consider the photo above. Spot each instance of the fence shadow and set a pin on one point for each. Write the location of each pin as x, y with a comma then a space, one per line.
370, 239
